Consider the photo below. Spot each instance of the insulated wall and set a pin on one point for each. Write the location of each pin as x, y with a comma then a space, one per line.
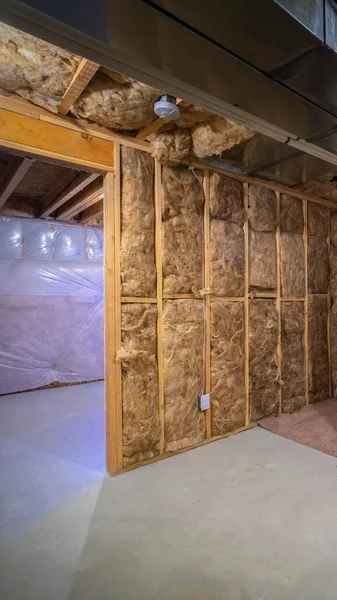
229, 297
51, 303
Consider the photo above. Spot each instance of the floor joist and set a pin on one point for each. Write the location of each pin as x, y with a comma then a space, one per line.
15, 170
79, 184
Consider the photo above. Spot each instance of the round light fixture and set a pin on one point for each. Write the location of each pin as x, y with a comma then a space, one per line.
166, 108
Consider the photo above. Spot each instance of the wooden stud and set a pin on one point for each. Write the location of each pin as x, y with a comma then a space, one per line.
306, 332
30, 135
81, 182
159, 270
207, 302
154, 127
278, 299
329, 314
93, 212
85, 72
92, 194
113, 383
246, 242
15, 170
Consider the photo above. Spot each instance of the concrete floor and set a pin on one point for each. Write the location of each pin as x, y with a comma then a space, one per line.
252, 517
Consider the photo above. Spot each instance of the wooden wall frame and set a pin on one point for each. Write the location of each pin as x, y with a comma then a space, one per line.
29, 131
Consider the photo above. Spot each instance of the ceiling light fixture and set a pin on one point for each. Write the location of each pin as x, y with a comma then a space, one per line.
166, 108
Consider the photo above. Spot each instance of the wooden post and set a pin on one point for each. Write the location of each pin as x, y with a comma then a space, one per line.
207, 284
246, 241
113, 381
278, 298
306, 334
159, 269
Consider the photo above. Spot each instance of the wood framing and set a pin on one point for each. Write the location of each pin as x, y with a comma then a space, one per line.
329, 299
207, 302
85, 72
114, 450
159, 270
92, 194
81, 145
76, 186
306, 333
278, 299
16, 169
55, 191
93, 212
246, 300
33, 136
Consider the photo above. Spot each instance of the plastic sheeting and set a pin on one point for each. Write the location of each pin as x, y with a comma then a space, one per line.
51, 303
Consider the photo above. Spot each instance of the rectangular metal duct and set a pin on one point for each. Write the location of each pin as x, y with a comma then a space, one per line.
254, 62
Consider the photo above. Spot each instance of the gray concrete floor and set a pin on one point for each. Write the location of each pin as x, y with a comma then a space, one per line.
250, 517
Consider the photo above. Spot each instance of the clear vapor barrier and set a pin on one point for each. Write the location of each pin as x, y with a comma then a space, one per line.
51, 303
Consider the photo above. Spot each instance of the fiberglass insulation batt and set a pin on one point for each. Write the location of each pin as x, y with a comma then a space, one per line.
226, 236
182, 230
262, 240
183, 340
227, 367
141, 430
138, 270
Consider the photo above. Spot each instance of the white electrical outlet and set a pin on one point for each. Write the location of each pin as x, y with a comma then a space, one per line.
204, 402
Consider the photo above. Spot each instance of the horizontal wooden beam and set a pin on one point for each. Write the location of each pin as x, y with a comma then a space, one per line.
15, 170
93, 132
93, 212
85, 72
81, 182
155, 126
34, 136
89, 196
138, 300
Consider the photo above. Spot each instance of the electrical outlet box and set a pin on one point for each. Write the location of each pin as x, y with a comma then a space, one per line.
204, 401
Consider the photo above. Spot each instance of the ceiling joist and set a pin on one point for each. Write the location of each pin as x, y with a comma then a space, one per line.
86, 198
93, 212
55, 191
15, 170
81, 182
85, 72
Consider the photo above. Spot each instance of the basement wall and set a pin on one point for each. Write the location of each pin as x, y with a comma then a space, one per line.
230, 296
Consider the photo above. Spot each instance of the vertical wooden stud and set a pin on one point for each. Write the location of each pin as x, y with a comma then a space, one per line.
329, 313
306, 333
159, 270
113, 380
207, 284
278, 297
246, 240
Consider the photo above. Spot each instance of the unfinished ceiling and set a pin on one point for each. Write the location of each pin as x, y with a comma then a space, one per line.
66, 84
61, 82
34, 188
